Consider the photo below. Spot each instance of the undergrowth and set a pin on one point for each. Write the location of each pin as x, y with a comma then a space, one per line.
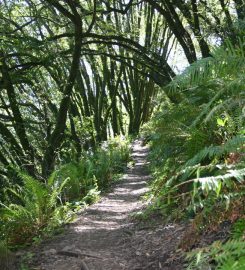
33, 209
229, 255
197, 150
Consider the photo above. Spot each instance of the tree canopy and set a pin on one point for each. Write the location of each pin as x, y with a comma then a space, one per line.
76, 75
75, 72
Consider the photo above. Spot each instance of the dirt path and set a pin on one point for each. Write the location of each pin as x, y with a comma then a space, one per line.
106, 237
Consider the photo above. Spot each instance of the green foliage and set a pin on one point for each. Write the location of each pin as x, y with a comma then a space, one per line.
219, 256
238, 230
37, 209
198, 144
211, 152
95, 170
34, 208
220, 69
111, 159
197, 151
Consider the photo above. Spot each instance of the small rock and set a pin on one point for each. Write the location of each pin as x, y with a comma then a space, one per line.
51, 251
68, 248
78, 251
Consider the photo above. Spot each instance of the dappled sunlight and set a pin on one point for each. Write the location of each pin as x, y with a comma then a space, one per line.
113, 210
87, 90
102, 233
97, 225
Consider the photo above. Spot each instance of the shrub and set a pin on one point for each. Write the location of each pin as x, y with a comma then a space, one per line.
38, 209
198, 144
34, 209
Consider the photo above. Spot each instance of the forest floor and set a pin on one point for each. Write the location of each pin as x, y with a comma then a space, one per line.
107, 235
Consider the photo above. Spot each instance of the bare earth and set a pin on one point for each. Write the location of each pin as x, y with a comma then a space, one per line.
106, 236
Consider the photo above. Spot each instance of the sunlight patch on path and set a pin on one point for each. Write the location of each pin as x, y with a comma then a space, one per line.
102, 228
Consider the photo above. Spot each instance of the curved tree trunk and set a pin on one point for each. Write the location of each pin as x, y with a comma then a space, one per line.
57, 135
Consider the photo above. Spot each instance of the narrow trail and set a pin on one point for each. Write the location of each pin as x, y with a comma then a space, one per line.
105, 237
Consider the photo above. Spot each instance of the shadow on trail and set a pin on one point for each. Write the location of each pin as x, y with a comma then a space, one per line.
104, 228
107, 238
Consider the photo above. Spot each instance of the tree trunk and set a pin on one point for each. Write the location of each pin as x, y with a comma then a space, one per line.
18, 122
57, 135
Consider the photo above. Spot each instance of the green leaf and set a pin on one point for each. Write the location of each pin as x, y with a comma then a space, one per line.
218, 188
220, 122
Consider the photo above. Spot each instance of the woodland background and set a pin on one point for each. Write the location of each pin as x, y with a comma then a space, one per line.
77, 75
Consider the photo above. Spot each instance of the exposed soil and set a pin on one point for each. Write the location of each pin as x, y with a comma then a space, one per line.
106, 236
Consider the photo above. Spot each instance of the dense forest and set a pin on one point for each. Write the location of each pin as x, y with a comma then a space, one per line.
80, 80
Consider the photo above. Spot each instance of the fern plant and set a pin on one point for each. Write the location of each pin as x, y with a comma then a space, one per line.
198, 144
38, 209
218, 256
214, 83
94, 170
197, 151
238, 230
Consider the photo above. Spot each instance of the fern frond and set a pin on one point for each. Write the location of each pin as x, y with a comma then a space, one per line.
213, 182
224, 63
226, 256
232, 264
217, 151
55, 193
231, 249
